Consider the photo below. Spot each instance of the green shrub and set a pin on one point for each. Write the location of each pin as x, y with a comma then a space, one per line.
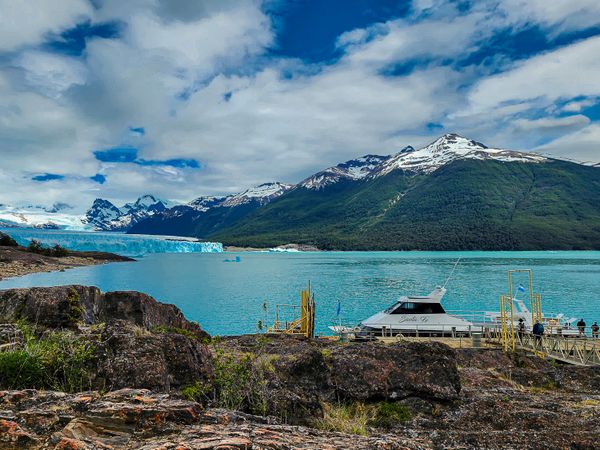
388, 414
20, 369
196, 392
75, 309
7, 241
57, 360
240, 381
37, 247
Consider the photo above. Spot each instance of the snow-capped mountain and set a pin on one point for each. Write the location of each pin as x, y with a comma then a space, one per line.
446, 149
355, 169
202, 204
206, 214
261, 194
34, 216
105, 216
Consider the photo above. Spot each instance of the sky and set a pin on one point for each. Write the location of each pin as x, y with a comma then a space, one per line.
183, 98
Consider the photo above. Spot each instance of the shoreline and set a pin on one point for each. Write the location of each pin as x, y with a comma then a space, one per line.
17, 261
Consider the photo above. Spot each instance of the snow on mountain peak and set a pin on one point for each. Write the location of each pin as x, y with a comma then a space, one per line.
262, 194
104, 215
202, 204
448, 148
355, 169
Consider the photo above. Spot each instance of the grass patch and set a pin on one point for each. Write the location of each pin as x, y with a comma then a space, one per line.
358, 418
57, 360
164, 330
352, 419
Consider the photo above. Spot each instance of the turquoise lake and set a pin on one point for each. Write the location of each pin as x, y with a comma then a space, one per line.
228, 298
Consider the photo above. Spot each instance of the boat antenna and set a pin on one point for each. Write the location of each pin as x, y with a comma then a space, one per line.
451, 273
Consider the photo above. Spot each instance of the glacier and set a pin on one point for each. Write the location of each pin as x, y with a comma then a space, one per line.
123, 244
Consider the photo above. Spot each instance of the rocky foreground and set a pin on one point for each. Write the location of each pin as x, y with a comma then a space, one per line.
121, 370
16, 261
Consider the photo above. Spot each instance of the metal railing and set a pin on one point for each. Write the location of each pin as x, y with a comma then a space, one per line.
573, 350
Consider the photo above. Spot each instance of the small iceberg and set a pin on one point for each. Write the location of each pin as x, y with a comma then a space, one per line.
237, 259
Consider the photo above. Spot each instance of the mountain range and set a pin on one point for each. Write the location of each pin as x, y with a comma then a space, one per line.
453, 194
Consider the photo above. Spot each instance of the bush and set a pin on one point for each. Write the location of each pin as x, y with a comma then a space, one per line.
240, 382
7, 241
20, 369
37, 247
57, 360
196, 392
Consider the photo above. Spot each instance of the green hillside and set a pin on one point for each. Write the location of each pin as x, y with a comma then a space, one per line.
468, 204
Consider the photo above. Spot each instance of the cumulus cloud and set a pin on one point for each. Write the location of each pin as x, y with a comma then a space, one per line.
564, 73
26, 22
192, 88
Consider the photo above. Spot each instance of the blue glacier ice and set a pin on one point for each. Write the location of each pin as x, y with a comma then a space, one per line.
123, 244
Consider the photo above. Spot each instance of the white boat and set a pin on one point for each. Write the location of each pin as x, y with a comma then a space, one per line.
416, 315
425, 316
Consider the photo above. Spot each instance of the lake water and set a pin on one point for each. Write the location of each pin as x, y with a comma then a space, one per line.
228, 298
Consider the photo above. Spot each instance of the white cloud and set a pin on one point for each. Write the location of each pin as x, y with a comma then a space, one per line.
560, 74
51, 74
25, 22
552, 123
562, 15
576, 106
242, 118
583, 145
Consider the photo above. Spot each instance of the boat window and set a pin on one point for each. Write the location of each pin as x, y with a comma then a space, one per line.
418, 308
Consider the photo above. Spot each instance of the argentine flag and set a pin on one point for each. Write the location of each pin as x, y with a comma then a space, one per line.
521, 288
339, 309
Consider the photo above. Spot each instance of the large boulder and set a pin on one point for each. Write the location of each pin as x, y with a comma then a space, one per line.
375, 371
301, 374
50, 307
67, 306
144, 311
129, 356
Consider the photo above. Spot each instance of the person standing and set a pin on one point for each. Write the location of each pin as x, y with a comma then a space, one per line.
521, 329
581, 327
538, 332
595, 330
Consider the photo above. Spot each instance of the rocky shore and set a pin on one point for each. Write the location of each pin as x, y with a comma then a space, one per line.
16, 261
83, 369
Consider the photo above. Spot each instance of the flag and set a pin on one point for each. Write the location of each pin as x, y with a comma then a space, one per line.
521, 288
339, 308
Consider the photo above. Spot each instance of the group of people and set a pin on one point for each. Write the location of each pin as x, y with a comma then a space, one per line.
538, 329
595, 328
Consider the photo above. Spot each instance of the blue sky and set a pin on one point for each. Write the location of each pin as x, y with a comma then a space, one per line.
183, 98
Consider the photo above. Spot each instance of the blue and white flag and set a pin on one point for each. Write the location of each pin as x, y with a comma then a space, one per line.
339, 308
521, 288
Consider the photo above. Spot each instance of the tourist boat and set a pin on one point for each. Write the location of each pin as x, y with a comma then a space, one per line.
425, 316
416, 316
